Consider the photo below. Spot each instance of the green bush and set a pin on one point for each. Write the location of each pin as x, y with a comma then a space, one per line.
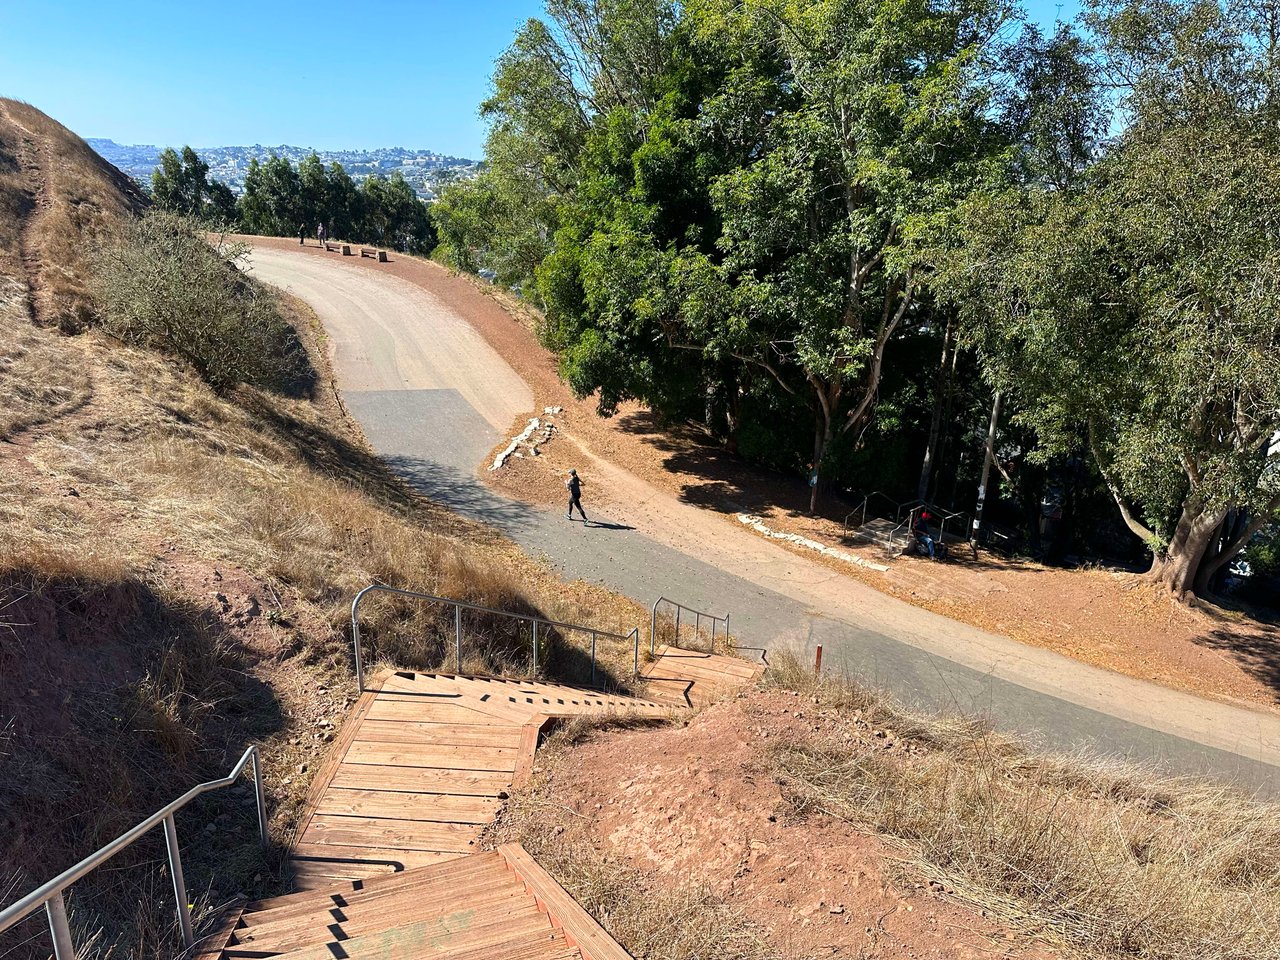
161, 284
1264, 556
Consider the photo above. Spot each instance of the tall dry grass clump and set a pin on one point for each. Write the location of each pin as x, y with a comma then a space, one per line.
1105, 859
160, 284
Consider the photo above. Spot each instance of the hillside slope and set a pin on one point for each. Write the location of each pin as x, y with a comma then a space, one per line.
176, 569
56, 196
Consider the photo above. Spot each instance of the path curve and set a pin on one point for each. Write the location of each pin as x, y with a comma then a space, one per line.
434, 398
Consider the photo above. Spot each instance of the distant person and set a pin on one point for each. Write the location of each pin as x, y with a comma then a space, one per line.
320, 233
923, 534
574, 486
302, 234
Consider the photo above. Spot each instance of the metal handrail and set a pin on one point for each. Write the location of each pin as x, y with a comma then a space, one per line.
460, 605
862, 508
699, 616
50, 894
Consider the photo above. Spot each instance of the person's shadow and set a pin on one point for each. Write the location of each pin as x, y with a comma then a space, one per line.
597, 525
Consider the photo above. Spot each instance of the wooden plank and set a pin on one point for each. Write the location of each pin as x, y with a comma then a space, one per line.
393, 859
392, 707
580, 927
473, 783
409, 731
211, 945
444, 757
528, 749
393, 834
439, 808
441, 937
474, 865
343, 923
337, 750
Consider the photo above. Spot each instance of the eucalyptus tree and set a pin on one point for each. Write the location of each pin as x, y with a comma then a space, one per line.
1138, 306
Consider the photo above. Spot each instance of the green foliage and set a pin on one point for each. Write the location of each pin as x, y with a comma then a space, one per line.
160, 284
279, 201
1136, 303
181, 185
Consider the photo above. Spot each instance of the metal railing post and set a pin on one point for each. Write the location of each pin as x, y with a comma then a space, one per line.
355, 637
535, 646
697, 624
60, 928
653, 628
457, 629
260, 799
728, 644
593, 658
635, 631
179, 881
678, 609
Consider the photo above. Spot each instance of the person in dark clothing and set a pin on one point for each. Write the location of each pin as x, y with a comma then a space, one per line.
320, 233
302, 233
574, 486
923, 534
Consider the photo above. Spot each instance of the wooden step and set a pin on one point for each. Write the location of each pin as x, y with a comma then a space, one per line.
464, 866
342, 924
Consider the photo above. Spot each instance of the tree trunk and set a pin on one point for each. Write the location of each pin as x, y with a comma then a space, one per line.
821, 443
1176, 567
942, 387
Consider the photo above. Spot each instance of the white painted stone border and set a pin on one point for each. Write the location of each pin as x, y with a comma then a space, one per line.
755, 523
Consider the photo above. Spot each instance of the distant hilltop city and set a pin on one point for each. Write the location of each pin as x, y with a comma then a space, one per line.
425, 170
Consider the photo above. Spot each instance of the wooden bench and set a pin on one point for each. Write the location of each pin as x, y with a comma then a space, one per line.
342, 248
379, 255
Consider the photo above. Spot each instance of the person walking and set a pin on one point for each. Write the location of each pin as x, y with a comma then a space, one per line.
320, 234
574, 485
302, 234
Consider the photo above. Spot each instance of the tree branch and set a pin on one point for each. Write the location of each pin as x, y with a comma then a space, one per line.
1144, 533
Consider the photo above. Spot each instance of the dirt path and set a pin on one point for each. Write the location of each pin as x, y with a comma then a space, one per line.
660, 544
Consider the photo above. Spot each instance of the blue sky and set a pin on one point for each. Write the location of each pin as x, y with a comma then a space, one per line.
304, 72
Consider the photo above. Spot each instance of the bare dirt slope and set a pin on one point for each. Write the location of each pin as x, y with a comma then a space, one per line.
700, 806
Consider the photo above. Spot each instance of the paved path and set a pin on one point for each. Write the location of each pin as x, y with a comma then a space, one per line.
433, 398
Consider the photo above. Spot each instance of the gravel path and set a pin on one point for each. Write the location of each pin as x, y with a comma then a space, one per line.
434, 398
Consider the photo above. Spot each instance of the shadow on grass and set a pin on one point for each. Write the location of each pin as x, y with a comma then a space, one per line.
126, 697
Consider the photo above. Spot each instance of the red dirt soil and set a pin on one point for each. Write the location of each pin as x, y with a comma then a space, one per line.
698, 804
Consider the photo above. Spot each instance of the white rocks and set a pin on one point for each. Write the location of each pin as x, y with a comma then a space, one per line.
524, 435
755, 523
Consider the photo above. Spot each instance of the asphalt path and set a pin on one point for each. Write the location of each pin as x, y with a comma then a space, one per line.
434, 399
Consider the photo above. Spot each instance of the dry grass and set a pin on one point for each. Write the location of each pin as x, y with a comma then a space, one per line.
34, 386
76, 196
1103, 859
651, 920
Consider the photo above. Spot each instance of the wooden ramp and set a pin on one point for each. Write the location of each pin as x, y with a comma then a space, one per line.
688, 678
421, 767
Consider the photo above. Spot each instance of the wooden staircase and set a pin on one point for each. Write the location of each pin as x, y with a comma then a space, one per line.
490, 906
387, 857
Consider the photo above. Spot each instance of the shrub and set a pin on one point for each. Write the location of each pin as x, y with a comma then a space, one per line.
159, 283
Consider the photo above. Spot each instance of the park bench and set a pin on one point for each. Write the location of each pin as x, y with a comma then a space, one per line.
379, 255
343, 248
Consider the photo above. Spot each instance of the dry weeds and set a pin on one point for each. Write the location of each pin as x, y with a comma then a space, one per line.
1104, 859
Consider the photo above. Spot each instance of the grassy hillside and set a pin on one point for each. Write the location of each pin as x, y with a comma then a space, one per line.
176, 565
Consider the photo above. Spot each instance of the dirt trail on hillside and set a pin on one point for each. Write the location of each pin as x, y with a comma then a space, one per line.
632, 499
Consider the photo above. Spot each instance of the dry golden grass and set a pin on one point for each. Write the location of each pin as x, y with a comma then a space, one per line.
65, 196
35, 386
1104, 859
651, 920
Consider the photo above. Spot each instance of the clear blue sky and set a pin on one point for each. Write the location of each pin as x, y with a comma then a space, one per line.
305, 72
